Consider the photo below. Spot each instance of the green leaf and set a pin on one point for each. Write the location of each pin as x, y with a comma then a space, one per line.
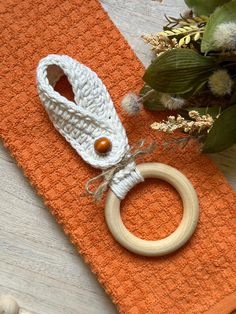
152, 102
224, 14
223, 133
204, 7
197, 89
178, 71
233, 98
154, 106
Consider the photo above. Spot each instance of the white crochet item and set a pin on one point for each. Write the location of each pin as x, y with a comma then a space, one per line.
91, 116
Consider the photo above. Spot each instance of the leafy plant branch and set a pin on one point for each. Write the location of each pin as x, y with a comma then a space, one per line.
195, 70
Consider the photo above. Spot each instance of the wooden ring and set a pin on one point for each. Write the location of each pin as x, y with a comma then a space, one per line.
176, 239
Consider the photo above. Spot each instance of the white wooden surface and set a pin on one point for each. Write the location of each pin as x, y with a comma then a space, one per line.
38, 265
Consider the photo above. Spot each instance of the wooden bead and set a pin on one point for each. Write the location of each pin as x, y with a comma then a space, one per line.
102, 145
8, 305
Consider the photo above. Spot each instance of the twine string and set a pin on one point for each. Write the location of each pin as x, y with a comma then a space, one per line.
107, 175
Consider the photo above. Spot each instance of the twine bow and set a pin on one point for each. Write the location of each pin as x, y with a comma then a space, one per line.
107, 175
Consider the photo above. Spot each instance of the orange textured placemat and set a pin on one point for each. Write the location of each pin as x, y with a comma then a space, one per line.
198, 278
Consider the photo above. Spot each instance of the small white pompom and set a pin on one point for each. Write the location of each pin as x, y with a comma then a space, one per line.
172, 103
224, 36
131, 104
8, 305
220, 83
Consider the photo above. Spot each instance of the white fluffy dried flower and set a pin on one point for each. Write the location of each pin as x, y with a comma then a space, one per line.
160, 42
165, 126
220, 83
193, 114
198, 125
225, 36
131, 103
172, 103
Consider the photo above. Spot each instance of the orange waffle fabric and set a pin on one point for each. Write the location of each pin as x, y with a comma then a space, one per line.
199, 278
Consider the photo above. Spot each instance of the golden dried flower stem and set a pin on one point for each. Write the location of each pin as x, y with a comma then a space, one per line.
160, 43
198, 124
186, 19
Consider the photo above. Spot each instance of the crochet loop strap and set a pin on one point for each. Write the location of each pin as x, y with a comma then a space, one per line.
92, 115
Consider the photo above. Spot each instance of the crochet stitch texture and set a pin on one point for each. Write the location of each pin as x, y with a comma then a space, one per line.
199, 278
90, 116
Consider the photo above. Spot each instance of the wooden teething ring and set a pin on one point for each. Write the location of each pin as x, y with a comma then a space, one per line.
176, 239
